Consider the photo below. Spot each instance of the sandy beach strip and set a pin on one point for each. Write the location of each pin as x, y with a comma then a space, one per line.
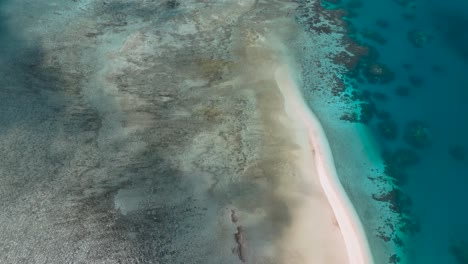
357, 246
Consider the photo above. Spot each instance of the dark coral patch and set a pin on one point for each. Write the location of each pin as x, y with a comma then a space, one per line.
409, 226
437, 69
404, 3
374, 36
379, 96
459, 250
457, 152
398, 200
416, 80
364, 95
388, 129
402, 91
394, 259
350, 61
397, 174
407, 66
378, 73
417, 134
383, 115
351, 117
368, 111
396, 162
401, 158
419, 38
354, 4
382, 23
408, 17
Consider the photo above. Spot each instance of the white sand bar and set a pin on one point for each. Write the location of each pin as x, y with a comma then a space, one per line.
352, 231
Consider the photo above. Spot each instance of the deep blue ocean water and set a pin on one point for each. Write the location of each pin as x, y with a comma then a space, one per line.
425, 45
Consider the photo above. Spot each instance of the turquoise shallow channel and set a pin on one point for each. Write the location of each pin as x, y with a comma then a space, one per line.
157, 131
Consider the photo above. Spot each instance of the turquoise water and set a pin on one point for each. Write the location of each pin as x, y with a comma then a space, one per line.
420, 113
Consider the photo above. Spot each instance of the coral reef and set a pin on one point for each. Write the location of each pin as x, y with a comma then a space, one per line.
457, 152
401, 158
408, 17
396, 162
416, 81
407, 66
409, 226
399, 202
402, 90
351, 117
382, 23
419, 38
369, 69
394, 259
374, 36
437, 69
388, 129
397, 174
404, 3
383, 115
378, 73
379, 96
459, 250
368, 111
416, 134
